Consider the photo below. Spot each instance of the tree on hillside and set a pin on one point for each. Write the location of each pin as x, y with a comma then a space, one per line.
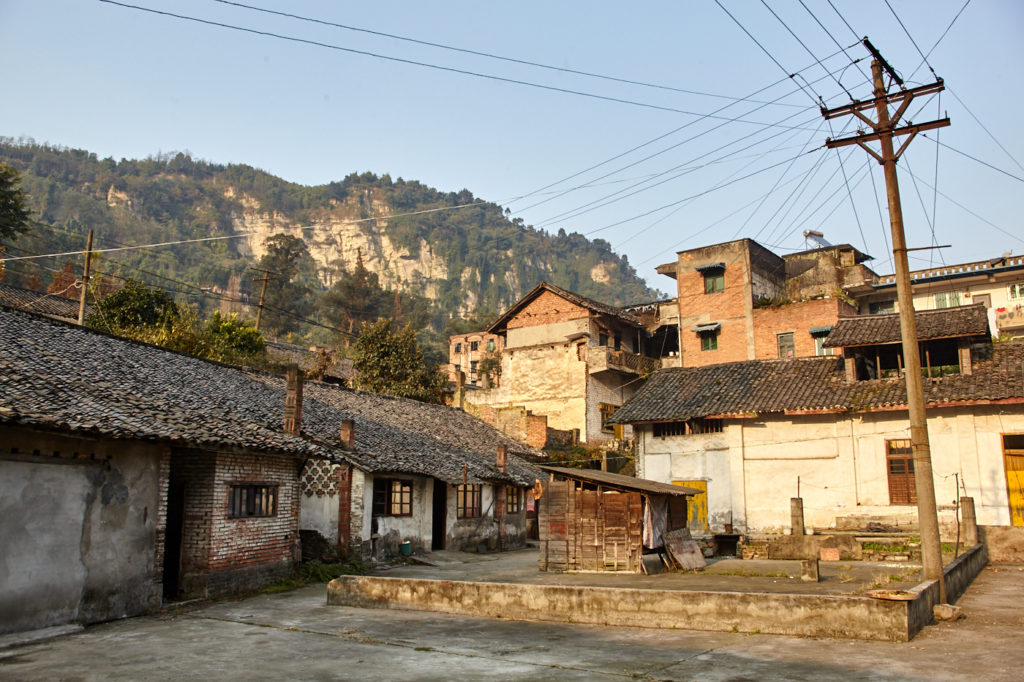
15, 216
133, 306
391, 361
294, 279
355, 299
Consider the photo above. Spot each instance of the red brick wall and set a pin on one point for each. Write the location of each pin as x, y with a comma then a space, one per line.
547, 308
237, 543
797, 318
728, 307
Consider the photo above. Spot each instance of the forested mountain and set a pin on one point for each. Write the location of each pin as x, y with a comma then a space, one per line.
447, 255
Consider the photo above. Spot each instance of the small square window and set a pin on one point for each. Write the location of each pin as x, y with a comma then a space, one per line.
709, 341
714, 282
947, 299
819, 345
1016, 291
473, 345
490, 345
458, 348
252, 501
392, 497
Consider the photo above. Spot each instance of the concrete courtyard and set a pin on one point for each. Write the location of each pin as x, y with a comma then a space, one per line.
295, 635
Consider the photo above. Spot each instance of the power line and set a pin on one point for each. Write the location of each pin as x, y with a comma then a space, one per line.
925, 60
913, 42
987, 132
976, 159
763, 49
488, 55
400, 60
806, 49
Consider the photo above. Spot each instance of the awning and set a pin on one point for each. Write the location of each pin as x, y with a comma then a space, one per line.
707, 328
710, 267
820, 330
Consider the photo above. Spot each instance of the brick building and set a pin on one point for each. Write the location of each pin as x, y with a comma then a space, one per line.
129, 473
739, 301
467, 351
754, 432
571, 361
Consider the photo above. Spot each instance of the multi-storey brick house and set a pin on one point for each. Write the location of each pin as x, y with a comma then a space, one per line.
571, 361
739, 301
466, 352
129, 473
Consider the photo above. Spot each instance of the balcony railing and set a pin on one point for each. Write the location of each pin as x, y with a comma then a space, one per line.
604, 359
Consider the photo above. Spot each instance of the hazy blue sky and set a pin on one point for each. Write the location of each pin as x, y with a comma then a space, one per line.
126, 83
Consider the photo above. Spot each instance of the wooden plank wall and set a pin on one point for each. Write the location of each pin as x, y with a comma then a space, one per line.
583, 530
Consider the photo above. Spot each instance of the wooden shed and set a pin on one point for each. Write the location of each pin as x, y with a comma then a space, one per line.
598, 521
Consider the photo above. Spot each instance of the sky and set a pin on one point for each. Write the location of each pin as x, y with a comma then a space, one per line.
655, 126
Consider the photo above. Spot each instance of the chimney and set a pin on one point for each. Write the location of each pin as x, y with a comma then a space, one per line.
293, 401
348, 432
502, 459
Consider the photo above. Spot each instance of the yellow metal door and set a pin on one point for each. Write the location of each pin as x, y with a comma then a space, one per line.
697, 507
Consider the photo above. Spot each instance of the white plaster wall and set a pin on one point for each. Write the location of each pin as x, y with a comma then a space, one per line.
555, 332
841, 464
320, 513
416, 526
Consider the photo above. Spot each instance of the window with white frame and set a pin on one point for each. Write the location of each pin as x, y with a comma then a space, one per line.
1015, 291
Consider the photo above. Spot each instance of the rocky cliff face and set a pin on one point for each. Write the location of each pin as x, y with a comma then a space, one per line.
337, 239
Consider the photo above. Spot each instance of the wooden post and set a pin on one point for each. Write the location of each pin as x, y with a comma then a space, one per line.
85, 279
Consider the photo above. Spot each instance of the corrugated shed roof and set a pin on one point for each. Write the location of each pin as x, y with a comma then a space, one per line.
62, 377
631, 483
869, 330
50, 305
809, 384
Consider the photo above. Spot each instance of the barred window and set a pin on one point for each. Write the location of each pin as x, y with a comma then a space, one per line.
256, 500
469, 501
688, 428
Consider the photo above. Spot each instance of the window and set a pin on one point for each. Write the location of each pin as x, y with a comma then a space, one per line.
392, 497
606, 412
473, 345
602, 339
881, 307
490, 345
252, 501
1016, 291
787, 349
458, 348
688, 428
468, 501
947, 299
709, 341
819, 345
900, 463
513, 500
714, 282
472, 369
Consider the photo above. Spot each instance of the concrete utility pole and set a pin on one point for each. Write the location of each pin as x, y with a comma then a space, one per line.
883, 130
263, 293
85, 279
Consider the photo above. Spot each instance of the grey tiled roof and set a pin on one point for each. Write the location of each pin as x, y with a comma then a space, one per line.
809, 384
61, 377
50, 305
865, 330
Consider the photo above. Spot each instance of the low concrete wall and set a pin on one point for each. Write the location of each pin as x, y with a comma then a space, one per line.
783, 614
1005, 543
959, 575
